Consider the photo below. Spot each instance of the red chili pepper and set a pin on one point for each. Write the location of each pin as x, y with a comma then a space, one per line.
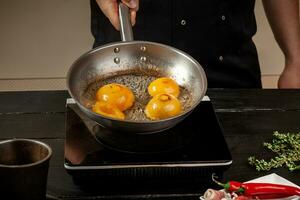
269, 190
259, 190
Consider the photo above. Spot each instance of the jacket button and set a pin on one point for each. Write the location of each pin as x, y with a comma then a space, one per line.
183, 22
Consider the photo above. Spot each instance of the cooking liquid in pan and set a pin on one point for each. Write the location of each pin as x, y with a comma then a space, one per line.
138, 84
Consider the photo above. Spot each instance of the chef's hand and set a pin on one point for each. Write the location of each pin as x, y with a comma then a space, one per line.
290, 77
110, 10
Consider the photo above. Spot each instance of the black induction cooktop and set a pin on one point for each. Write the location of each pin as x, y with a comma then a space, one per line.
194, 147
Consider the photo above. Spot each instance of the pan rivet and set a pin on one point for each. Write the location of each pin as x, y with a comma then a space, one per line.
183, 22
117, 60
143, 58
143, 48
116, 50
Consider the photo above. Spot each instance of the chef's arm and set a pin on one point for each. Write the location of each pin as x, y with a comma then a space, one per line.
283, 16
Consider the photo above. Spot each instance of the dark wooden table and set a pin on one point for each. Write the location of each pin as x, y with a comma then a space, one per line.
248, 118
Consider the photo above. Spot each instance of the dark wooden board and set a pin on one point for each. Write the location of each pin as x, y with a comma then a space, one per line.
254, 99
34, 125
245, 133
262, 123
33, 101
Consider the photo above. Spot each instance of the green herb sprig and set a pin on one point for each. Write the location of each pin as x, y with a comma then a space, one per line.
287, 148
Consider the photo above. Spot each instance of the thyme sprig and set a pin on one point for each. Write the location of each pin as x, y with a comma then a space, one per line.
287, 148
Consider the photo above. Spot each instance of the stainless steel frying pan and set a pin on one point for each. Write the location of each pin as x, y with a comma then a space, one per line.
141, 57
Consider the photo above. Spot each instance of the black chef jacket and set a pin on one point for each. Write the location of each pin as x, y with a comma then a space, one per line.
217, 33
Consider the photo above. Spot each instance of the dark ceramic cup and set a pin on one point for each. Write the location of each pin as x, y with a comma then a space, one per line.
24, 167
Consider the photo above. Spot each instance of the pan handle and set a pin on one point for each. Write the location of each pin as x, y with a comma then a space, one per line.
125, 24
